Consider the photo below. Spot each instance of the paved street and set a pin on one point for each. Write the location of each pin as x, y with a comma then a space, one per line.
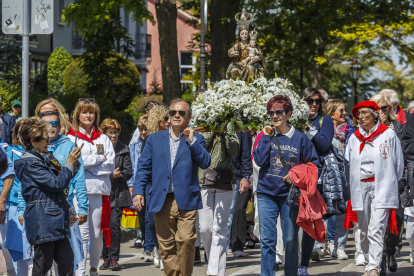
250, 265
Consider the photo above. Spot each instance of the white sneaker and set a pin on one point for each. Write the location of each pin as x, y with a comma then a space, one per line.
412, 257
93, 273
329, 248
148, 256
161, 265
360, 260
317, 254
340, 254
157, 257
278, 261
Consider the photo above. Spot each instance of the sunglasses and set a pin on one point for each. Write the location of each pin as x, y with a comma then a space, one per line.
1, 104
278, 113
54, 123
89, 100
384, 108
17, 106
310, 101
110, 133
181, 112
166, 118
46, 139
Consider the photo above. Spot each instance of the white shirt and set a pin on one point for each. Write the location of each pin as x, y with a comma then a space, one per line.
368, 154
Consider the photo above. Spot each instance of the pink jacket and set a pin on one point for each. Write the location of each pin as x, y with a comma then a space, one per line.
311, 206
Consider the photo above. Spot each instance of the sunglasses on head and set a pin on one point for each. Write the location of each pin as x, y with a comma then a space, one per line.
384, 108
89, 100
310, 101
17, 106
166, 118
181, 112
278, 113
54, 123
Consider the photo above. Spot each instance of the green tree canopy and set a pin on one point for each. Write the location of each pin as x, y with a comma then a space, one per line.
56, 66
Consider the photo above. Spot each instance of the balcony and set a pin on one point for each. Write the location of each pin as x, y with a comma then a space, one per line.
143, 46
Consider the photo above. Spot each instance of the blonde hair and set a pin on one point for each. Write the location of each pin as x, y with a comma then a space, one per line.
155, 118
63, 117
381, 98
143, 122
85, 106
331, 106
110, 123
15, 138
32, 128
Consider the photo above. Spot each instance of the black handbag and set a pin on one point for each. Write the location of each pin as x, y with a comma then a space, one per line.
294, 192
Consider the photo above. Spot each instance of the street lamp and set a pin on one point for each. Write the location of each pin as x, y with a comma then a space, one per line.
355, 72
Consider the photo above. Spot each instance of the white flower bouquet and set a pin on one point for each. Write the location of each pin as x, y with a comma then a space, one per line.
231, 105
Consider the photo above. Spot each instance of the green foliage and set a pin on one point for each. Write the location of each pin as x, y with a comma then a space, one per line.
56, 65
136, 108
9, 93
116, 91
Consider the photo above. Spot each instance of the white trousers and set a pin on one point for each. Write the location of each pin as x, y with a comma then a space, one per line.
197, 226
214, 218
357, 238
373, 224
91, 232
409, 235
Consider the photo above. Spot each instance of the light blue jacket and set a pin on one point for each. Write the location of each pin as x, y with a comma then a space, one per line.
8, 172
14, 153
61, 149
135, 152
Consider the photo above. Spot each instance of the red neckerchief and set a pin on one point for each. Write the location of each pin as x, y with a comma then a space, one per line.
381, 128
95, 134
401, 116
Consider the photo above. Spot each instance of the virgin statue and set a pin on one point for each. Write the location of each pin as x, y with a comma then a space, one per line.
247, 57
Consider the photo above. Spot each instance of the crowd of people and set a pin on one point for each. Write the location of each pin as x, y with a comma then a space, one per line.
66, 182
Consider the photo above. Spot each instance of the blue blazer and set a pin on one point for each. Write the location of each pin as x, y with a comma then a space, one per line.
156, 160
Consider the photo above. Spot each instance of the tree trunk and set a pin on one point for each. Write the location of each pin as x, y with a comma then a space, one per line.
222, 35
167, 29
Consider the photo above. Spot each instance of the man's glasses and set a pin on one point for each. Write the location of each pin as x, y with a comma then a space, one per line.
362, 113
166, 118
17, 106
181, 112
54, 123
384, 108
310, 101
278, 113
89, 100
46, 139
110, 133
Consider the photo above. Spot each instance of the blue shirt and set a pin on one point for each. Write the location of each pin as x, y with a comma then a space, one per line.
296, 149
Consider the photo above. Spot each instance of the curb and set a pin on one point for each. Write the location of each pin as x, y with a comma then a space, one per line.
127, 234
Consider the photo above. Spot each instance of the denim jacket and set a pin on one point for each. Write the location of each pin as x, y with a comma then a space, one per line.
46, 215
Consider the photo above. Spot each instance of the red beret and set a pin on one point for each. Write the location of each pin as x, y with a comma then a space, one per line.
367, 104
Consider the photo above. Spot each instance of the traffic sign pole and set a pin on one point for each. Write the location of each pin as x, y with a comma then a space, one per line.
25, 59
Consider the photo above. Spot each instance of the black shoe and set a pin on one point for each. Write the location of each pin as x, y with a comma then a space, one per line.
114, 266
197, 258
251, 246
392, 263
383, 265
105, 265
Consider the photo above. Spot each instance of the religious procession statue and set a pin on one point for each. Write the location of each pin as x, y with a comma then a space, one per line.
247, 57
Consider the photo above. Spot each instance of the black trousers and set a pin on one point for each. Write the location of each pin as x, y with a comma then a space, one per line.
112, 252
59, 251
390, 240
238, 228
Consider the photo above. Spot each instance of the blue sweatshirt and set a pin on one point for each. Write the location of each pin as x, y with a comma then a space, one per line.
61, 149
323, 138
296, 148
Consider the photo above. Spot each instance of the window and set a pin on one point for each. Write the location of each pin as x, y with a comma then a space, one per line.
61, 7
187, 64
126, 19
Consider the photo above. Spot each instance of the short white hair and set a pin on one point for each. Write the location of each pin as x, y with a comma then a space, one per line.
324, 94
410, 105
394, 96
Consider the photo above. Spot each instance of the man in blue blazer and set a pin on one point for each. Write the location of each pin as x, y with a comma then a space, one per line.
173, 160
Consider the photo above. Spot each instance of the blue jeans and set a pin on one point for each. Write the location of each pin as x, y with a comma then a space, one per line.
150, 234
233, 203
269, 210
330, 225
341, 234
307, 247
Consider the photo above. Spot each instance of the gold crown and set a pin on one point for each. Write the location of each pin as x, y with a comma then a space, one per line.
253, 35
243, 19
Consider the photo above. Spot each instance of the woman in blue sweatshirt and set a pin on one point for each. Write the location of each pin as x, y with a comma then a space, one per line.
320, 133
273, 184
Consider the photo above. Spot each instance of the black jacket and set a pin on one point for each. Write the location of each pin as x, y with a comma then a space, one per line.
8, 126
242, 163
120, 196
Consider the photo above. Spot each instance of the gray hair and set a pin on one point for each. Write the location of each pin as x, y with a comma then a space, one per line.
394, 96
190, 111
410, 105
324, 94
